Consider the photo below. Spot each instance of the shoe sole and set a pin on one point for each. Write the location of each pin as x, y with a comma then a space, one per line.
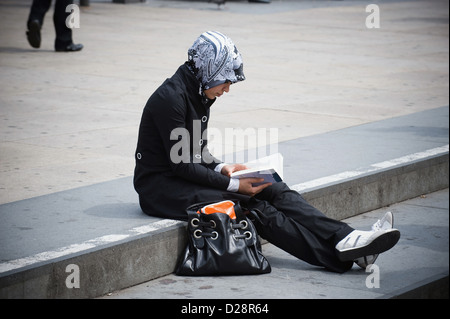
379, 245
34, 34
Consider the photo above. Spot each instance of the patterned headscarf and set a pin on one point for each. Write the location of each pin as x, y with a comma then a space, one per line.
214, 59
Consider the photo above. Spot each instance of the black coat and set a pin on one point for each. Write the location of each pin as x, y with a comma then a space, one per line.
166, 186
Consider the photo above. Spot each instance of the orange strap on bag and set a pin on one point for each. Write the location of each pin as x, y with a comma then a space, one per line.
226, 207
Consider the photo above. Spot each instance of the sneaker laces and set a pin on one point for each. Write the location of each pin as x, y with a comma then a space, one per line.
378, 225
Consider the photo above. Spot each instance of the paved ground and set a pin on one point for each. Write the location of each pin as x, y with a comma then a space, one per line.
420, 255
70, 120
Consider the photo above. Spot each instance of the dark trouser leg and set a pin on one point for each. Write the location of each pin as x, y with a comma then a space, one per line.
38, 10
294, 206
63, 33
290, 223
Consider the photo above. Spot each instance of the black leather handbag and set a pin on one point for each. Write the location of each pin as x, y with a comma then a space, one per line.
221, 242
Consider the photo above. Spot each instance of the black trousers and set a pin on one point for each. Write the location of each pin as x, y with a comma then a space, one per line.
63, 34
288, 221
283, 216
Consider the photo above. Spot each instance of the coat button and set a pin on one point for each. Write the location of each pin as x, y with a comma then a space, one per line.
204, 119
200, 142
139, 156
198, 156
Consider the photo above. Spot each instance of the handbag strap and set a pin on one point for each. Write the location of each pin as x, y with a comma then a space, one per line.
239, 212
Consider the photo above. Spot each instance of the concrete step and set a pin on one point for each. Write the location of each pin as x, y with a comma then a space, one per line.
119, 260
100, 233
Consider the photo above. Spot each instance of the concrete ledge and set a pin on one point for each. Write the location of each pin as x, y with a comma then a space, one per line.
381, 188
153, 254
101, 270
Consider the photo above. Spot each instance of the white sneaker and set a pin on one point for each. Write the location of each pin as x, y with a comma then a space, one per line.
360, 243
386, 222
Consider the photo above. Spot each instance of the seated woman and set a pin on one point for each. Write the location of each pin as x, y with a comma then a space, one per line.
169, 178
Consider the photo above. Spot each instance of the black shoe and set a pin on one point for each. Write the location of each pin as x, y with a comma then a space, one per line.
70, 48
34, 34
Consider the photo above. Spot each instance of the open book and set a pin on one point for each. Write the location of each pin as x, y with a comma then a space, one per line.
270, 168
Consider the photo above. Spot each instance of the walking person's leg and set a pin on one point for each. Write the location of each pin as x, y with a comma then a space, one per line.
35, 21
63, 40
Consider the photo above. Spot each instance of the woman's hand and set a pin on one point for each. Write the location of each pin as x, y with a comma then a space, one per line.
246, 186
231, 168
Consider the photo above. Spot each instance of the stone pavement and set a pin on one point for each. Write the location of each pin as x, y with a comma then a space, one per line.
342, 96
71, 120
